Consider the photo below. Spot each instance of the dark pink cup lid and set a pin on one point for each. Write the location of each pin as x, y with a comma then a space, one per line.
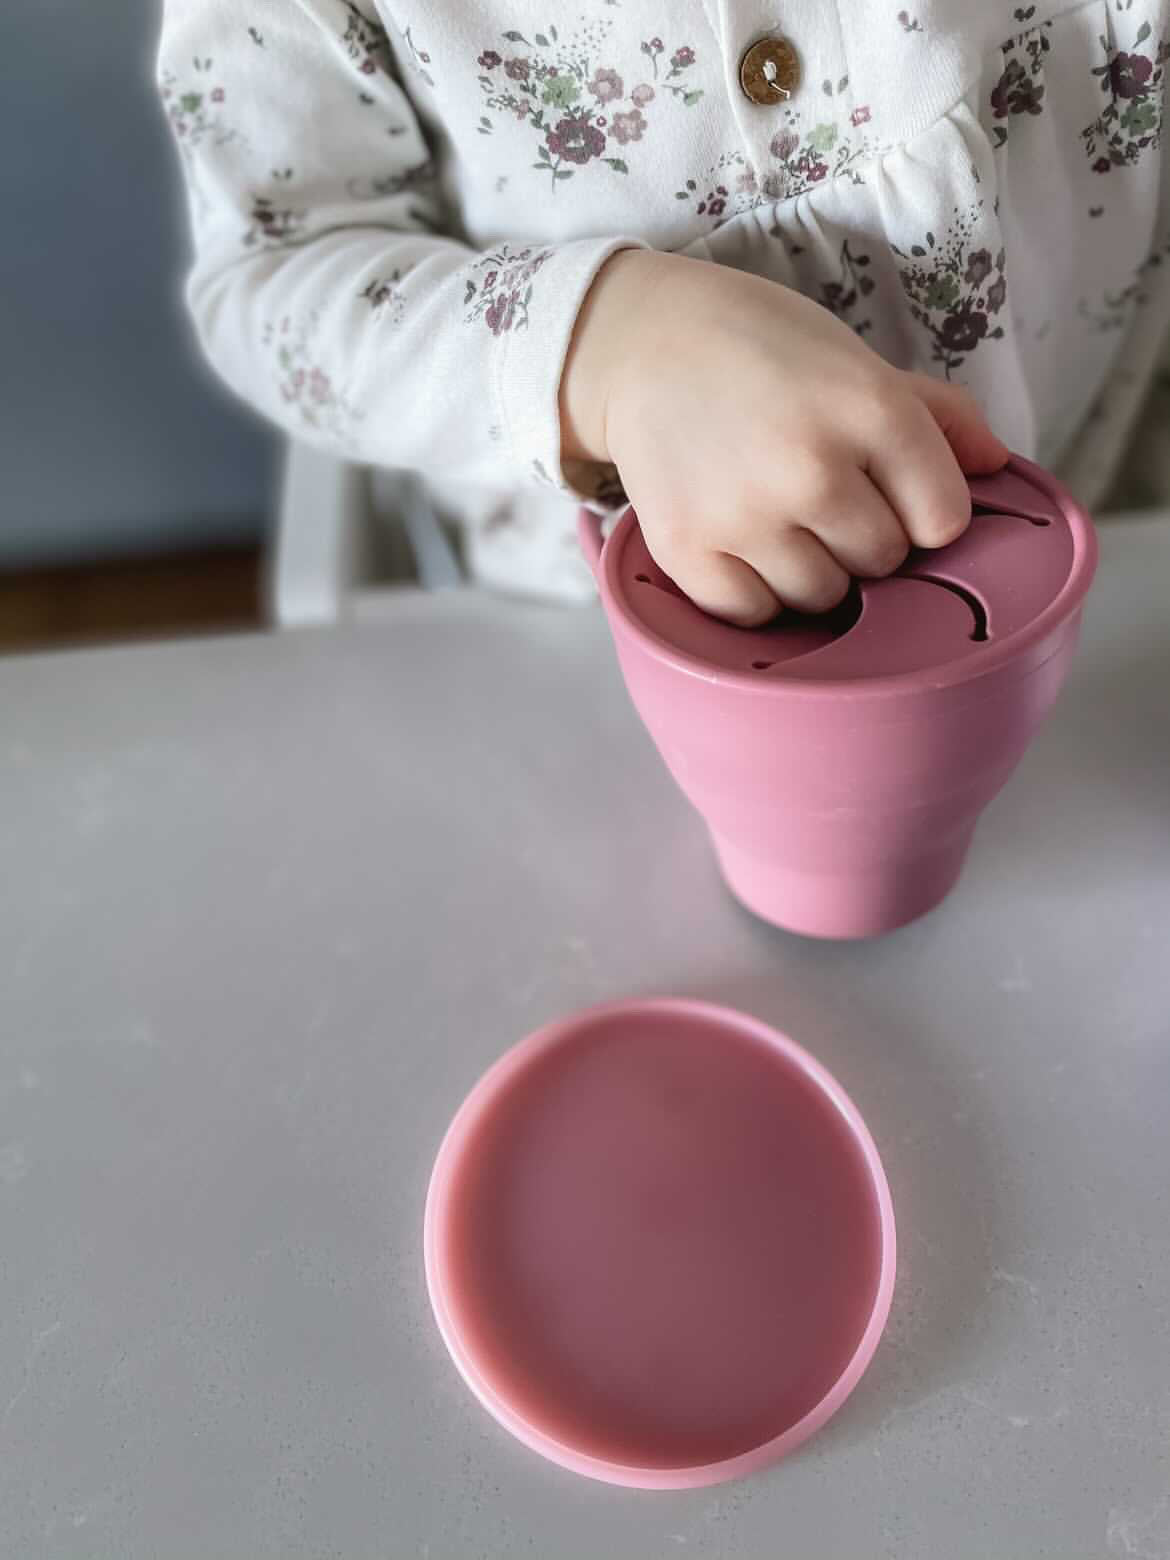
1025, 544
659, 1243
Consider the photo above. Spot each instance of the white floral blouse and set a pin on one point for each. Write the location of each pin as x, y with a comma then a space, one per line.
399, 205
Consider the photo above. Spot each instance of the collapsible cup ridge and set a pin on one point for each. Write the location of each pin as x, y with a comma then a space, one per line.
841, 762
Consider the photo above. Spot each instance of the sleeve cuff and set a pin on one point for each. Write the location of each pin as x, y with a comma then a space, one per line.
528, 370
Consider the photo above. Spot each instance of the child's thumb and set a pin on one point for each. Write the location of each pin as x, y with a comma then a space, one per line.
977, 450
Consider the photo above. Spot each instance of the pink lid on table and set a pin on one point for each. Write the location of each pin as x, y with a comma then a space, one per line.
659, 1243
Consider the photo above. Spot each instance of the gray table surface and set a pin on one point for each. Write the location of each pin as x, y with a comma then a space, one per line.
269, 905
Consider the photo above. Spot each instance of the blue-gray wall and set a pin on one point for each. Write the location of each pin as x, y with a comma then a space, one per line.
113, 436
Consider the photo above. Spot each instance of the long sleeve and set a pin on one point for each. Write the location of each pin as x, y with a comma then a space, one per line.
326, 289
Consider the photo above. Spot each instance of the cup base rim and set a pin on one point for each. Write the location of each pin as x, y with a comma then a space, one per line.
842, 907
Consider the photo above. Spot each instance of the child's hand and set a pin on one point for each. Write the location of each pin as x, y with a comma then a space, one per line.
769, 453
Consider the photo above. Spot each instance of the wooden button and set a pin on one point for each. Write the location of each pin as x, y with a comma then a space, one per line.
770, 71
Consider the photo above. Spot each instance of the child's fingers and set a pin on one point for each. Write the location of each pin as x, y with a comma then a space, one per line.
862, 532
724, 586
963, 425
915, 469
799, 569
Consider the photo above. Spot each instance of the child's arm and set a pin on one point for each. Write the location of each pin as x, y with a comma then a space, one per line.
322, 289
769, 453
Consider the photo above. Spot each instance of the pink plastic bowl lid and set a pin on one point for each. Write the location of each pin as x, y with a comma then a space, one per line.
659, 1243
1024, 562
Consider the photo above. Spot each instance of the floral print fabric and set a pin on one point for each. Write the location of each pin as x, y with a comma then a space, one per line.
398, 208
581, 111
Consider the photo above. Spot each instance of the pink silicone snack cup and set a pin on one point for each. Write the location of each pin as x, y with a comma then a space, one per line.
841, 763
659, 1243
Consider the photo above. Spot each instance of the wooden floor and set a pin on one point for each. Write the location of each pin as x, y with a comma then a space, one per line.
154, 598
